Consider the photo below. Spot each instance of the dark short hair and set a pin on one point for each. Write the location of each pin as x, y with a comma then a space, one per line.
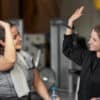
2, 37
2, 34
97, 29
11, 23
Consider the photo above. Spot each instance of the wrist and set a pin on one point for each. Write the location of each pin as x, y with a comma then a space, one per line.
70, 22
70, 27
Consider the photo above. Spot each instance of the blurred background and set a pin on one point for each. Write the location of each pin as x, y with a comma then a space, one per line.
42, 26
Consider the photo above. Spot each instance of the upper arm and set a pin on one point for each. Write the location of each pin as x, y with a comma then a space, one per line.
75, 55
36, 75
73, 52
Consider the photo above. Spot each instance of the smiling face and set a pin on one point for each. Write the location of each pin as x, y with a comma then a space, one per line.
17, 37
94, 42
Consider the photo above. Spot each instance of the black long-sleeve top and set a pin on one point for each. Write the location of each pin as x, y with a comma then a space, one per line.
90, 75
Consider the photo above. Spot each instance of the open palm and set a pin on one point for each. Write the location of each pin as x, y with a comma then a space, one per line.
77, 14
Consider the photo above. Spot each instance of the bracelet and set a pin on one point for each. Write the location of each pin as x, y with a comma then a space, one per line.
72, 28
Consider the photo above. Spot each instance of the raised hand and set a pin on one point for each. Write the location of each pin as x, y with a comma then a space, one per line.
4, 24
77, 14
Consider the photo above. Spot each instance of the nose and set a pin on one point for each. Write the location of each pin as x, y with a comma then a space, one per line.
89, 42
20, 38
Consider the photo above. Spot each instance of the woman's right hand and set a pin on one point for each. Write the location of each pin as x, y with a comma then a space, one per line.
77, 14
93, 99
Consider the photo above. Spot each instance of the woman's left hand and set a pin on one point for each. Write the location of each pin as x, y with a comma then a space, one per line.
94, 98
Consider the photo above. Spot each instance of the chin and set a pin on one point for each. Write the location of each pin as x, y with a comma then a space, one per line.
91, 49
18, 48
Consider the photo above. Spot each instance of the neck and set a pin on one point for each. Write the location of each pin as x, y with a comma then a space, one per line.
98, 54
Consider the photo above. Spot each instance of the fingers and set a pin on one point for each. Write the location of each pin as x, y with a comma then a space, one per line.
93, 99
77, 14
3, 24
80, 10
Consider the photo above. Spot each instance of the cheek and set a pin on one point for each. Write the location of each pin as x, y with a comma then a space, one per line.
98, 45
15, 42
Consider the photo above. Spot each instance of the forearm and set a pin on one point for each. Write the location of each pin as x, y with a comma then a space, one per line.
9, 57
9, 52
69, 30
42, 90
39, 85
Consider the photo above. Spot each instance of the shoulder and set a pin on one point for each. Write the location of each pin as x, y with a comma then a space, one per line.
25, 54
28, 58
90, 56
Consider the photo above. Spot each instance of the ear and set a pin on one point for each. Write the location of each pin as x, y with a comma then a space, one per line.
2, 43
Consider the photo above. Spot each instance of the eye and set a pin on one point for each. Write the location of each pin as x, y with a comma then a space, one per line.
15, 37
94, 39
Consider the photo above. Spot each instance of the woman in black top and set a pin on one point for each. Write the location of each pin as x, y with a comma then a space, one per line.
88, 59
